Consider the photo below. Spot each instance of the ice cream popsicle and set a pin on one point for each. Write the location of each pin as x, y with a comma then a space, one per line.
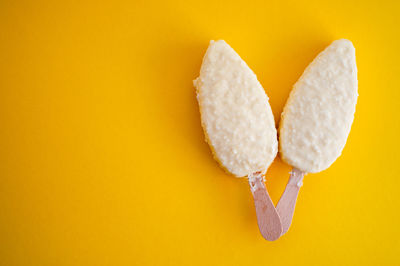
317, 118
239, 125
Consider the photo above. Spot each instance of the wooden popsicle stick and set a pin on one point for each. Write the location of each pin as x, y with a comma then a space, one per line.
287, 202
268, 219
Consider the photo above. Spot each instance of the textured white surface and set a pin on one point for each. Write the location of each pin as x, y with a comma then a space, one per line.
235, 112
319, 112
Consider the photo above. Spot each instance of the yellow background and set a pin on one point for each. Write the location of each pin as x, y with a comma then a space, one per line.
103, 159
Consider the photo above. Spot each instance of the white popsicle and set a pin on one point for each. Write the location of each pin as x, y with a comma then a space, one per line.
317, 118
239, 125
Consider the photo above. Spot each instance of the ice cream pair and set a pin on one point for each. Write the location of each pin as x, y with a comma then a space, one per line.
239, 125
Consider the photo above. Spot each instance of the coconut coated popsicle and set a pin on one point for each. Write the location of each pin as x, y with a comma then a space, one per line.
317, 118
239, 125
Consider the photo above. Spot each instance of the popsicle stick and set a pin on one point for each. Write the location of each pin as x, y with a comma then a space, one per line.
268, 219
287, 202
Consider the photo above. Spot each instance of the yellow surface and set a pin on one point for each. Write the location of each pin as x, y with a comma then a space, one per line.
103, 159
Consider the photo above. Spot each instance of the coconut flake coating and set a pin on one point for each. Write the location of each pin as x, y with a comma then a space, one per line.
317, 117
235, 112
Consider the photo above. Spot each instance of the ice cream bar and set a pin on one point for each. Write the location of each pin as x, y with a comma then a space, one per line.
317, 118
239, 125
319, 112
235, 113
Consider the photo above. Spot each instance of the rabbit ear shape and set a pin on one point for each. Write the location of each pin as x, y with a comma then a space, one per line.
319, 112
239, 126
317, 119
235, 112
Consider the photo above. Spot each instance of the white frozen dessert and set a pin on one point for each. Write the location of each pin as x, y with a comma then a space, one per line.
235, 112
317, 117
